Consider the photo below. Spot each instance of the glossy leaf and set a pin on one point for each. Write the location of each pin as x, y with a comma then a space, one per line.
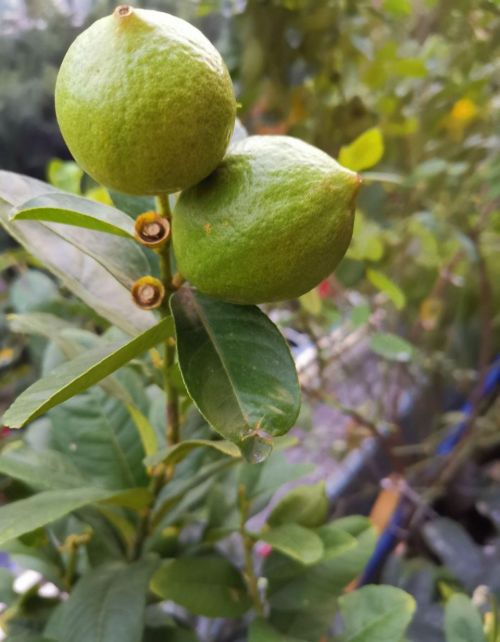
376, 613
107, 605
25, 515
77, 375
95, 267
388, 287
305, 505
75, 210
236, 366
364, 152
462, 621
174, 454
208, 586
391, 347
295, 541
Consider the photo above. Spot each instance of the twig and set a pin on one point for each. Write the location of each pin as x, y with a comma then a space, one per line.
170, 389
249, 573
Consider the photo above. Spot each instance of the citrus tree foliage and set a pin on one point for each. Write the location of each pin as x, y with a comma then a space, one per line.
147, 537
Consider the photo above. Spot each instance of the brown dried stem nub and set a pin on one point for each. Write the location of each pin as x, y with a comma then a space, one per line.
122, 11
152, 229
148, 292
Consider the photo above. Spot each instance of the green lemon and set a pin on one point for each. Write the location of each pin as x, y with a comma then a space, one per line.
145, 103
272, 221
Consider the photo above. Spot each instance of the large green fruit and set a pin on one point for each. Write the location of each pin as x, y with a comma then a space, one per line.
272, 221
145, 102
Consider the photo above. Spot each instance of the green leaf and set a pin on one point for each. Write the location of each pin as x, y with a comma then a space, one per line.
294, 587
262, 631
97, 433
97, 268
65, 175
262, 481
132, 205
208, 586
364, 152
398, 8
335, 541
28, 637
376, 613
305, 505
295, 541
236, 366
26, 515
174, 454
462, 621
106, 605
77, 211
391, 347
33, 290
77, 375
311, 302
47, 469
388, 287
146, 431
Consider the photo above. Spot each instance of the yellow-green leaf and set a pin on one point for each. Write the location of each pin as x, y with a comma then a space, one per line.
388, 287
364, 152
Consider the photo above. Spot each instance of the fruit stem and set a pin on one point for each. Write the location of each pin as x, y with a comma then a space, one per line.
169, 361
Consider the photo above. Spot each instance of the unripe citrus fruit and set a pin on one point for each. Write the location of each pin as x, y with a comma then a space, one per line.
145, 102
271, 222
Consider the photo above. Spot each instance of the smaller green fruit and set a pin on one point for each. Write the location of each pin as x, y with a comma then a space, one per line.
271, 222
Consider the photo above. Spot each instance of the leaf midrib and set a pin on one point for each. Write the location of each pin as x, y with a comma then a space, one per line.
206, 325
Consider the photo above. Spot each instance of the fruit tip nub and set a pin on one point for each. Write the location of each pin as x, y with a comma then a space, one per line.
123, 11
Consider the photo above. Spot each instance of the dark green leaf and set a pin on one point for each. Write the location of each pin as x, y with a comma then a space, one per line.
236, 366
462, 621
77, 375
262, 631
75, 210
295, 541
376, 613
305, 505
208, 586
43, 508
107, 605
132, 205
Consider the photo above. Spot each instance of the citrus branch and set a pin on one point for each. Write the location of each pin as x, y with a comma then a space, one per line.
167, 280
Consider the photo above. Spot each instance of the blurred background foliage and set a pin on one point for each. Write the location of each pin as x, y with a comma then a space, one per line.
405, 92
